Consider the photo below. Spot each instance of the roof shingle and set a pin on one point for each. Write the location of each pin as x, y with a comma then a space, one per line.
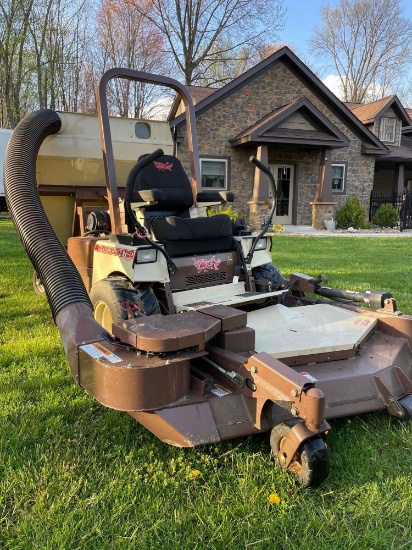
368, 111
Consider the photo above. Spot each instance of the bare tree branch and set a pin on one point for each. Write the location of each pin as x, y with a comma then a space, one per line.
367, 42
198, 32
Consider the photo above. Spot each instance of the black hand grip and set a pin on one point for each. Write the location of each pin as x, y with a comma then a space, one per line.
128, 193
260, 165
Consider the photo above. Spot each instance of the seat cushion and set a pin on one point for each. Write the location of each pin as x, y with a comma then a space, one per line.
187, 236
174, 228
167, 176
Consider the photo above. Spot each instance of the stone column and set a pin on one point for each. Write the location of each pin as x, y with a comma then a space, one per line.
322, 211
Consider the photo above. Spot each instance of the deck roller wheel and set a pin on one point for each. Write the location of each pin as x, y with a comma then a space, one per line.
310, 465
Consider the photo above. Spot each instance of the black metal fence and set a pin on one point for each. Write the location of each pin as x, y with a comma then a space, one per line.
401, 201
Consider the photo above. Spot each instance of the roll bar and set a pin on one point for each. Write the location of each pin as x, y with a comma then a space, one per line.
105, 134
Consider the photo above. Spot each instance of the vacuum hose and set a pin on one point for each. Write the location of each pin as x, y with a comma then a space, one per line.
60, 278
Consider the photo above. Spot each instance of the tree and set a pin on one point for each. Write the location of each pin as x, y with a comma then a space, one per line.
221, 67
15, 78
129, 40
202, 34
367, 42
42, 47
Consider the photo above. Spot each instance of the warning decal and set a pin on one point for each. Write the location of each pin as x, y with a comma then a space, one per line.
220, 391
97, 351
362, 322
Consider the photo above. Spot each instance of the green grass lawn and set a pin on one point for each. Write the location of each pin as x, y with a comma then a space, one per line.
75, 475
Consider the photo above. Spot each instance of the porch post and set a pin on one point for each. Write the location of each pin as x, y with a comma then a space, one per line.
324, 189
323, 207
259, 206
399, 179
260, 182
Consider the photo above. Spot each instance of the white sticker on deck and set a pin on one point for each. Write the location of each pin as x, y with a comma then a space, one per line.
309, 376
96, 350
219, 391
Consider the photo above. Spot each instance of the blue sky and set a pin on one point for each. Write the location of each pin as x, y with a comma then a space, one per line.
303, 16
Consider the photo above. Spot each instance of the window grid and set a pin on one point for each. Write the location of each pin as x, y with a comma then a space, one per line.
214, 173
388, 127
338, 178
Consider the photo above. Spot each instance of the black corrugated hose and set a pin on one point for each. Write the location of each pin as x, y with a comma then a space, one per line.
61, 280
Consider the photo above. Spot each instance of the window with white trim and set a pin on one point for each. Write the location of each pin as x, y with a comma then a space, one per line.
214, 173
338, 178
387, 129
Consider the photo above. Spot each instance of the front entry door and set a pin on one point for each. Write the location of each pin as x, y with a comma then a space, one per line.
284, 177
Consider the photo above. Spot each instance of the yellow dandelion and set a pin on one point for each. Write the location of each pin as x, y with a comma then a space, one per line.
274, 498
196, 473
349, 421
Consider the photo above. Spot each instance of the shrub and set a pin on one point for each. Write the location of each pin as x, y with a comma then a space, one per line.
386, 216
352, 214
228, 210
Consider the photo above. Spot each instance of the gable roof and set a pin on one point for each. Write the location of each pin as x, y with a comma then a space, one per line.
269, 129
370, 143
367, 112
197, 93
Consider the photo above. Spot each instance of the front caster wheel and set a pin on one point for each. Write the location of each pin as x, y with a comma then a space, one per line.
310, 464
406, 404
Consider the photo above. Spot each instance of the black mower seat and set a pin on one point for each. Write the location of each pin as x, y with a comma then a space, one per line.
169, 219
194, 235
169, 183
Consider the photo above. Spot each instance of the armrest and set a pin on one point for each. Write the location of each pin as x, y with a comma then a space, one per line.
147, 195
215, 196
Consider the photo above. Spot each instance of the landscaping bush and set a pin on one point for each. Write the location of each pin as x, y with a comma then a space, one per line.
223, 209
352, 214
386, 216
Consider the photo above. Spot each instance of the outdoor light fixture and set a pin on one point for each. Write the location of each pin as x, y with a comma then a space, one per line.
146, 255
261, 244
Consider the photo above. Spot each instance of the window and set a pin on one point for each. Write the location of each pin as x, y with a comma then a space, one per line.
214, 172
339, 178
142, 130
387, 129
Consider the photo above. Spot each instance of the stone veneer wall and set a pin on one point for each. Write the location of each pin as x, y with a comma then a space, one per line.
245, 107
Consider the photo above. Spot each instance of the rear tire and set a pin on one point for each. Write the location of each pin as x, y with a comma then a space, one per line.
116, 299
38, 285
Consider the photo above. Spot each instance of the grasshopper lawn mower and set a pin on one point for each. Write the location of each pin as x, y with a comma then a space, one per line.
180, 319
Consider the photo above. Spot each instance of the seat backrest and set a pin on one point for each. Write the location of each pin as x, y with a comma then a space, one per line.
167, 175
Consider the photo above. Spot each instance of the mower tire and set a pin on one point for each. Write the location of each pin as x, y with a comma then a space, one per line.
267, 278
310, 465
406, 404
38, 285
115, 299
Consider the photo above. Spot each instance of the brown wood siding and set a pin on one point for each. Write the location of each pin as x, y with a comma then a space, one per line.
297, 122
383, 181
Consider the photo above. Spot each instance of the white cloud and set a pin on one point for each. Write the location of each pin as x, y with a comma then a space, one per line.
159, 109
332, 81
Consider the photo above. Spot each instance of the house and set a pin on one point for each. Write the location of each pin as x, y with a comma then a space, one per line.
389, 120
320, 150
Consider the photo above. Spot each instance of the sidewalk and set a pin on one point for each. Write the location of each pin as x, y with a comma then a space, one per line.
311, 232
